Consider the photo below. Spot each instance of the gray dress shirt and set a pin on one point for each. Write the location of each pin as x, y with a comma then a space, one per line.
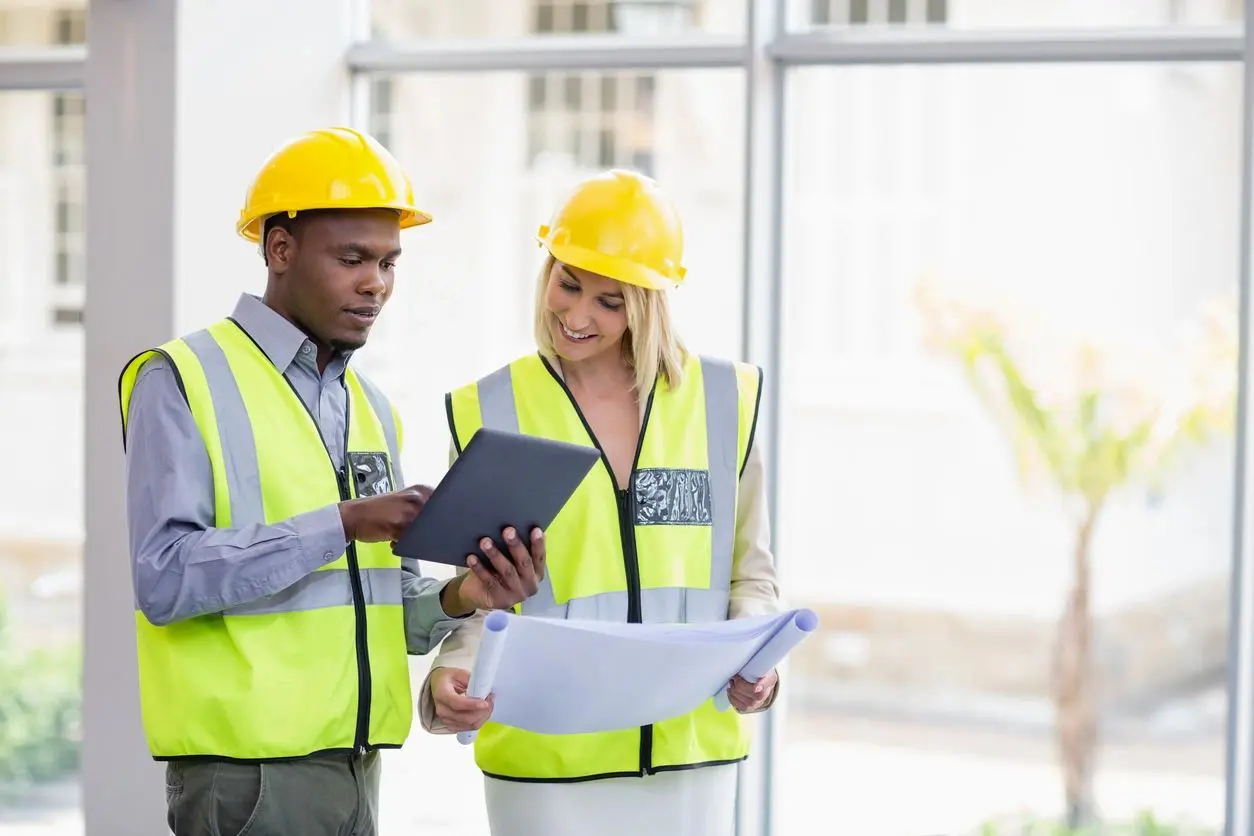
182, 566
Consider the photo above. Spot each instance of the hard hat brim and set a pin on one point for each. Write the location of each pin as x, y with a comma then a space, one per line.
249, 228
619, 269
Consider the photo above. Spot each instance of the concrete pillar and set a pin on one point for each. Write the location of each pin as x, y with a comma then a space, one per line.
185, 101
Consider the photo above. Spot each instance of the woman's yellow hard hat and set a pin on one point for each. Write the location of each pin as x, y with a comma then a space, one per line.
621, 225
330, 168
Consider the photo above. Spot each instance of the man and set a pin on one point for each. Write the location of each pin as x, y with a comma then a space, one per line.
273, 619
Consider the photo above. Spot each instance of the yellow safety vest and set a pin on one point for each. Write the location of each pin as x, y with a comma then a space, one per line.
320, 666
660, 552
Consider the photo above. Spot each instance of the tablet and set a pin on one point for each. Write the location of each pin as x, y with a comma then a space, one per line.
501, 479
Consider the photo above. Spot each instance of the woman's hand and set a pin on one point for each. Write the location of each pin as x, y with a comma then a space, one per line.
748, 696
457, 711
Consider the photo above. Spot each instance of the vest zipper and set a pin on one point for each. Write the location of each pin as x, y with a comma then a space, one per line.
631, 562
627, 535
361, 733
362, 737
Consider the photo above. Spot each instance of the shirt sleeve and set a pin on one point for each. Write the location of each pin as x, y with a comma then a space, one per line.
458, 651
426, 622
754, 588
182, 565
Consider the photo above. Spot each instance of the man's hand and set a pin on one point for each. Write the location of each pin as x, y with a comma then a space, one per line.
383, 518
503, 584
748, 696
457, 711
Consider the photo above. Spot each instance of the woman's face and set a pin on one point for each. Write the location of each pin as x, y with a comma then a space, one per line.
588, 314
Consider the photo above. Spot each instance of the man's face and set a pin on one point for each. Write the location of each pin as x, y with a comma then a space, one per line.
335, 274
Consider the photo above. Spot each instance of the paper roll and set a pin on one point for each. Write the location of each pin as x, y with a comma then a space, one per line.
773, 652
483, 673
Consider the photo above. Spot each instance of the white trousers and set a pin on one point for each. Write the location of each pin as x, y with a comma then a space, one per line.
690, 802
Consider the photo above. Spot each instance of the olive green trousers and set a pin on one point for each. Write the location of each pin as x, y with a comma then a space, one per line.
322, 795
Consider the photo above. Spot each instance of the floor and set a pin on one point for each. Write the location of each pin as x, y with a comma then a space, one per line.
867, 777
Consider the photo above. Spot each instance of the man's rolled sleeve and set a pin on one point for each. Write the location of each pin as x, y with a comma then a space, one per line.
426, 622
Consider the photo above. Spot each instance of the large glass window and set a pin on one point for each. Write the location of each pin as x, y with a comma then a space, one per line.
466, 283
68, 112
58, 24
1007, 453
398, 19
1013, 14
878, 12
1009, 357
30, 23
41, 500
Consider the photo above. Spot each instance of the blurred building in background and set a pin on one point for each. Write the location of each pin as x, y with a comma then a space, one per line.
1079, 205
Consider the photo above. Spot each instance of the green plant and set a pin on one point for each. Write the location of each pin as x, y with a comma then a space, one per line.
40, 713
1086, 422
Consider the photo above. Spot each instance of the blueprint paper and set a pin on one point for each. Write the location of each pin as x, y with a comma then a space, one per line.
568, 677
486, 662
773, 652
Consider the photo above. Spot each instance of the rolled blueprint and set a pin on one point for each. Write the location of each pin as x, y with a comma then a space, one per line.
483, 673
773, 652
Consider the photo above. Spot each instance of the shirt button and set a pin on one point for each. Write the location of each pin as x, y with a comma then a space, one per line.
306, 348
328, 556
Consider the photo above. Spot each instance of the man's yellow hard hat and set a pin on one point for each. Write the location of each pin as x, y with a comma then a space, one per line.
619, 224
330, 168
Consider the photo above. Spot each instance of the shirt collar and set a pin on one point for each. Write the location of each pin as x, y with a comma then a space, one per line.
278, 338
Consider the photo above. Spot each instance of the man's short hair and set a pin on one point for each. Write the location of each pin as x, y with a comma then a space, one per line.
289, 224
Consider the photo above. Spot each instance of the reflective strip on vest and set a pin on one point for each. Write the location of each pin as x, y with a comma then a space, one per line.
234, 429
328, 588
383, 409
683, 605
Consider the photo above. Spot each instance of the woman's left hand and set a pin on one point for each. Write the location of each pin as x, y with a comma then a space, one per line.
748, 696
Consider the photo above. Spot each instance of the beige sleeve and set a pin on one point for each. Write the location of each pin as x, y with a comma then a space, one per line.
754, 588
457, 651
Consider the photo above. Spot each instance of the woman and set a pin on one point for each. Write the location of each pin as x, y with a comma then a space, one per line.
670, 526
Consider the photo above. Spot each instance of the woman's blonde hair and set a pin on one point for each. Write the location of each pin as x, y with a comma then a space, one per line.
651, 346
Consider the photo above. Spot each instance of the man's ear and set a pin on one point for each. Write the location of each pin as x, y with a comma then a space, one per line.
280, 249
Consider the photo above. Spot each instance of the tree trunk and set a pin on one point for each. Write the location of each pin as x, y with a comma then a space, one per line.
1075, 699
